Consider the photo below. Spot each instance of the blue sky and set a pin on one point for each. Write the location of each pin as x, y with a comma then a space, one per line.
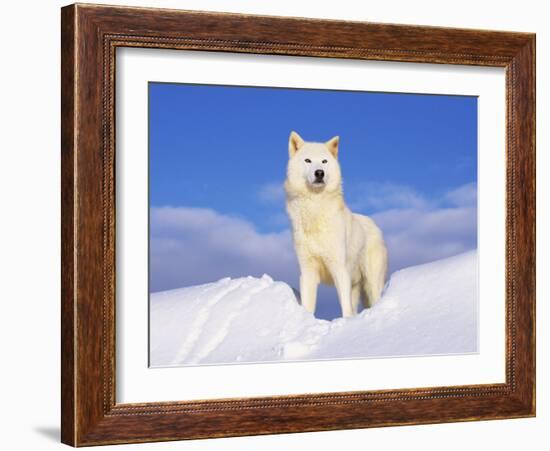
217, 161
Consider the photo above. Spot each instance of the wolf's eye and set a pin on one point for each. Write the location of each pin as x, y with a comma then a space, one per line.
307, 160
324, 162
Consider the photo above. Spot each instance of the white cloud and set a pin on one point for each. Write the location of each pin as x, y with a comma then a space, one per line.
379, 196
465, 195
418, 230
273, 192
416, 236
197, 245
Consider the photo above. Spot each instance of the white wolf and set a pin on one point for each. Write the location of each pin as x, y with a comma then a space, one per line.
333, 245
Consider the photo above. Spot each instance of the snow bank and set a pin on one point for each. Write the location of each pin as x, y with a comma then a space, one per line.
426, 309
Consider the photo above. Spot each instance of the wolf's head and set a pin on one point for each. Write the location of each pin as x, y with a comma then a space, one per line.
312, 167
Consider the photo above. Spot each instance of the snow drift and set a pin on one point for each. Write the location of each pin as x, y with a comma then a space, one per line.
425, 309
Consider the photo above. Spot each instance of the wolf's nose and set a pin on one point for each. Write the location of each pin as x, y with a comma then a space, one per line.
319, 174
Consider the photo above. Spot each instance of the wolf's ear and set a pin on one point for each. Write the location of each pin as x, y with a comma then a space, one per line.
294, 143
332, 145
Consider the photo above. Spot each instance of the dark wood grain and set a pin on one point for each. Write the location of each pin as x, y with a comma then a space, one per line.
90, 35
68, 148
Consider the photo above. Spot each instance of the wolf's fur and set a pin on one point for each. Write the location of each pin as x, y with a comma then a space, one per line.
333, 245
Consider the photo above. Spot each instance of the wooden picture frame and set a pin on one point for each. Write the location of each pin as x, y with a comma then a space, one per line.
90, 35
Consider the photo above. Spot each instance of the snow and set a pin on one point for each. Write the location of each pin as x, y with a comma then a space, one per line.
425, 310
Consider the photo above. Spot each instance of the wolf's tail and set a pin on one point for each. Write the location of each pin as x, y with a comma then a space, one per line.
375, 263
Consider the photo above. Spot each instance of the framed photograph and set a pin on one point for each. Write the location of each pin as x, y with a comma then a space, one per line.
279, 225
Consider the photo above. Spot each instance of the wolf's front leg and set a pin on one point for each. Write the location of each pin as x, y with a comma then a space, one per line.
308, 289
342, 280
